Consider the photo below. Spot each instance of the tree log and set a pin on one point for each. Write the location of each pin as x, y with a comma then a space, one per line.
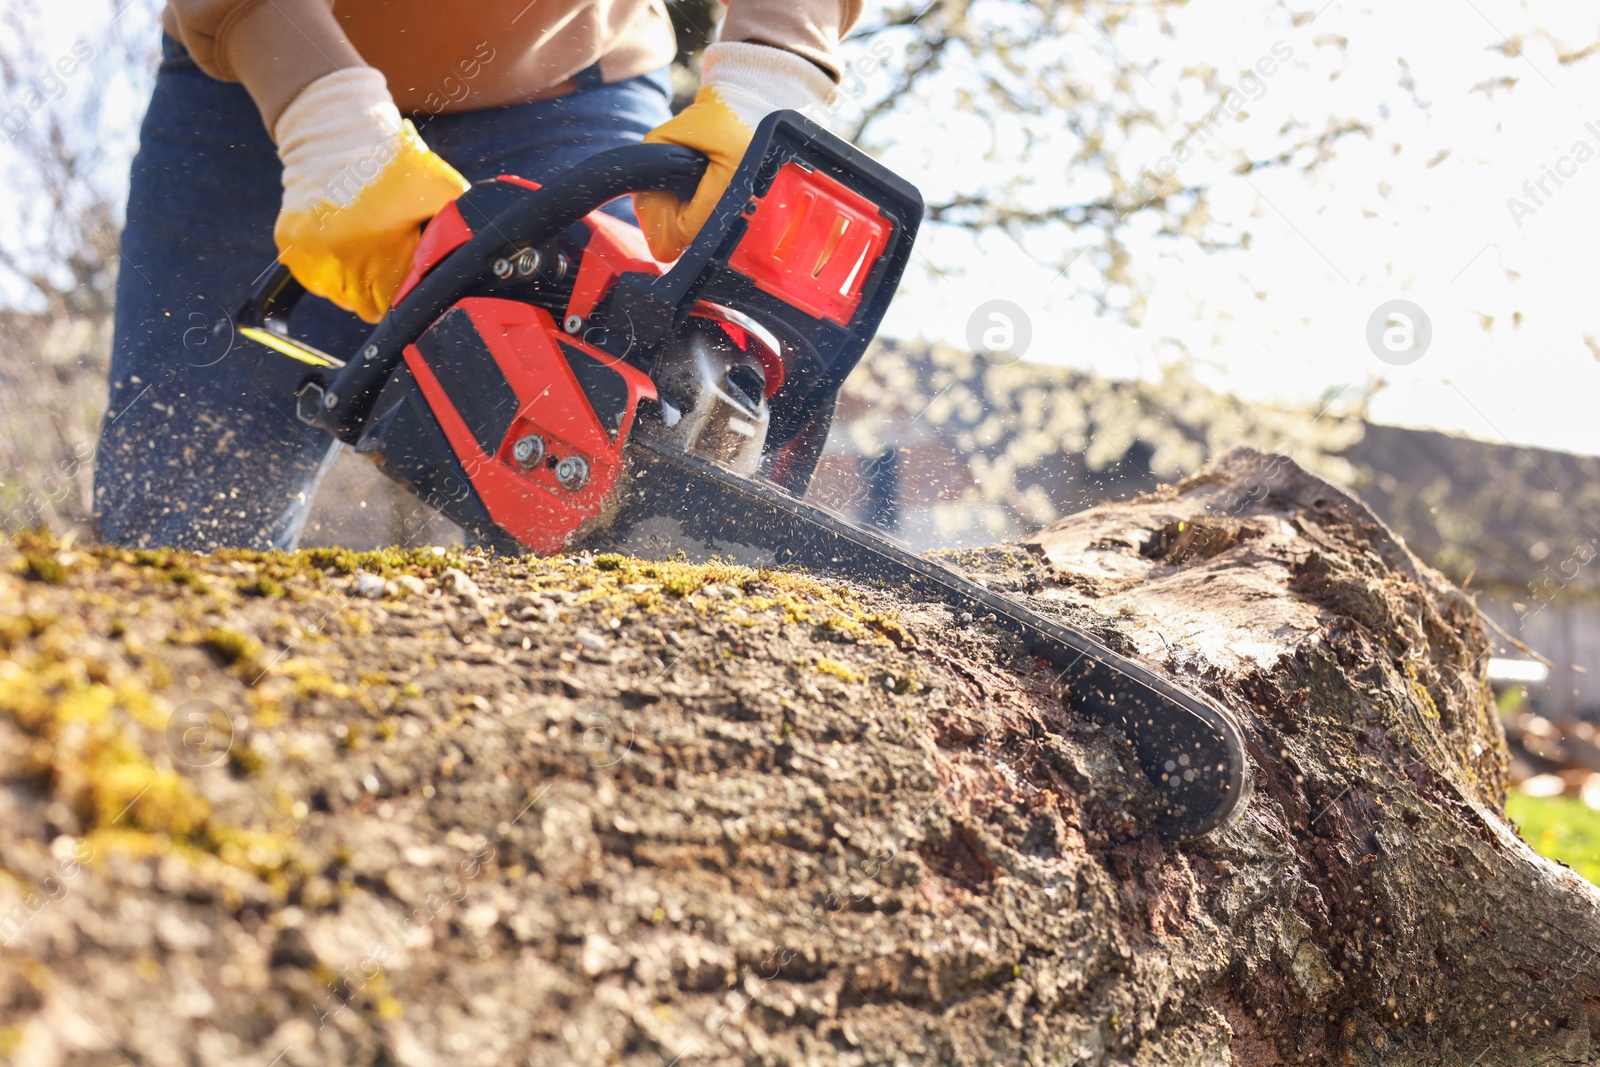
599, 810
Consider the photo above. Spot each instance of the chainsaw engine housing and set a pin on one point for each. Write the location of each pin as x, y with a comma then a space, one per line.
508, 404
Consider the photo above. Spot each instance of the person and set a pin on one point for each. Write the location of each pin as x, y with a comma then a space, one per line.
277, 129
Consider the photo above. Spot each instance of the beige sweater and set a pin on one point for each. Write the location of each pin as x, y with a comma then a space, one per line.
439, 56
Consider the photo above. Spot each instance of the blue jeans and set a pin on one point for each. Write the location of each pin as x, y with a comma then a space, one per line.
192, 453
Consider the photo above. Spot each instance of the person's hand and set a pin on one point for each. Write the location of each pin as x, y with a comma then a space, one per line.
741, 85
358, 183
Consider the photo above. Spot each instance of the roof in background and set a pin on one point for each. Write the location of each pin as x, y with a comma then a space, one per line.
1509, 516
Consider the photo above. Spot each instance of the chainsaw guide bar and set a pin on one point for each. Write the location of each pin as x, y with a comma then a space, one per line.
1189, 748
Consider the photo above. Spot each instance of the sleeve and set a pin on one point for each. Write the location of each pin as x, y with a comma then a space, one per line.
809, 28
274, 48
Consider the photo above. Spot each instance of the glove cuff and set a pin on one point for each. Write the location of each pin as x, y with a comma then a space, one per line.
335, 137
755, 80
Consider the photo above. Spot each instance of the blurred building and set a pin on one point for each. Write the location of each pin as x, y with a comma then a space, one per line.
1519, 528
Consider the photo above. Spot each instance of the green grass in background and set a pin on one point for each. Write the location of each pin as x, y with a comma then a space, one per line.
1562, 828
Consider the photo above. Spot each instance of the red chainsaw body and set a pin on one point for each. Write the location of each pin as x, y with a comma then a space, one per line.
529, 502
500, 371
496, 371
577, 401
534, 335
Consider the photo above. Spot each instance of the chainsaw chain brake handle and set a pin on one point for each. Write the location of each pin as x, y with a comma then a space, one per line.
274, 299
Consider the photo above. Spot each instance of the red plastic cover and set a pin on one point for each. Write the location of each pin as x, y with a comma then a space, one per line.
812, 242
550, 402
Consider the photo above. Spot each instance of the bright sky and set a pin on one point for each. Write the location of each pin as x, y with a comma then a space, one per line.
1417, 212
1385, 219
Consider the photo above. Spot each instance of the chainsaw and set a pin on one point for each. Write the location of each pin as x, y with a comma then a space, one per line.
546, 384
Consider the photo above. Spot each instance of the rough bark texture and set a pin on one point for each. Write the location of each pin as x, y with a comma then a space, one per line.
604, 811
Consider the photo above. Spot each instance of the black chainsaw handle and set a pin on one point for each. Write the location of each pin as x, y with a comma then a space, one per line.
613, 173
647, 168
272, 301
543, 213
632, 169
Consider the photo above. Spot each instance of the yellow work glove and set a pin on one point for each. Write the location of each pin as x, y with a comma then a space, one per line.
741, 85
358, 183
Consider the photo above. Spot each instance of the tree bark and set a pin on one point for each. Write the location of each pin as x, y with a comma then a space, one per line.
584, 811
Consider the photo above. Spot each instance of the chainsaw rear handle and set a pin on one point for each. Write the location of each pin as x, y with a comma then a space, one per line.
544, 212
274, 298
